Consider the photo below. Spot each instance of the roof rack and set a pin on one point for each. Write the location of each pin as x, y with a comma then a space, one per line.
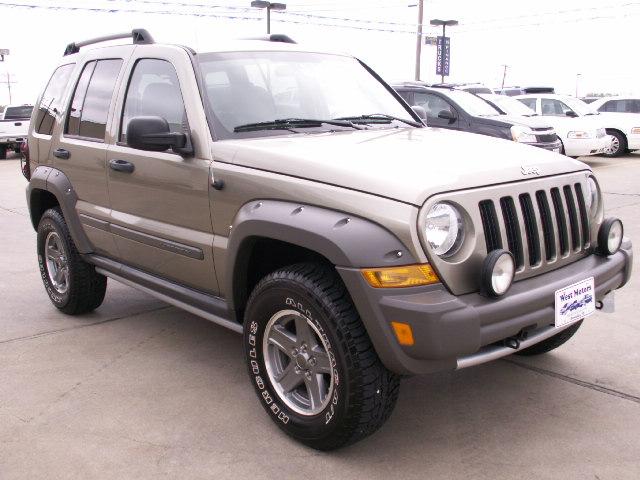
274, 37
140, 36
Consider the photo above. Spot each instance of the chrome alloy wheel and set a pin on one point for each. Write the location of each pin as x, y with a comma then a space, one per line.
298, 362
57, 262
613, 147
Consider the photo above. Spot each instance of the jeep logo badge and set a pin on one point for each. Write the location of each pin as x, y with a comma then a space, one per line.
530, 170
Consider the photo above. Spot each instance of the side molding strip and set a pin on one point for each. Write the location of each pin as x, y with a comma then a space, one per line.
158, 242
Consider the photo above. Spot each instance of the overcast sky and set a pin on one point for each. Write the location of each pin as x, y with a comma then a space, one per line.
546, 42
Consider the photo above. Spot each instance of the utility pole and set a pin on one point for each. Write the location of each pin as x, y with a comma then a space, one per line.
504, 75
9, 87
419, 39
3, 52
578, 75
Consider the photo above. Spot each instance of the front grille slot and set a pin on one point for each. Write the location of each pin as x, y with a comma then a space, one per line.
547, 224
573, 217
512, 227
490, 225
584, 218
530, 228
563, 234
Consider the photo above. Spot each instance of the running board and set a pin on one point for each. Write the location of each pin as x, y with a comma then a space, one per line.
494, 352
194, 302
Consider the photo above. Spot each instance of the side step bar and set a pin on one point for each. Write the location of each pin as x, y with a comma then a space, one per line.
200, 304
493, 352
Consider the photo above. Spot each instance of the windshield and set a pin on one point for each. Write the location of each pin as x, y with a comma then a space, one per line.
578, 106
18, 113
253, 87
472, 104
511, 106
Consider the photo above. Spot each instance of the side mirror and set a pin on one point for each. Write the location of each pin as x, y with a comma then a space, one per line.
571, 113
420, 111
153, 134
447, 115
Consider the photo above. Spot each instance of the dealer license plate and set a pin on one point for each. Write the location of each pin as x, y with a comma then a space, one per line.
575, 302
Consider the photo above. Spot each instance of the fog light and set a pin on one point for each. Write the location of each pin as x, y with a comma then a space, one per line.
610, 236
497, 273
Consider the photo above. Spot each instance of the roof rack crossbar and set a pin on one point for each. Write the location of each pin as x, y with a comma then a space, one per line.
139, 35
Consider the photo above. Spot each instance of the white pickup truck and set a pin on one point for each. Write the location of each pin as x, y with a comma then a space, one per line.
14, 126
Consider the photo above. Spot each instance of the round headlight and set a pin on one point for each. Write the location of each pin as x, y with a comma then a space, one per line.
610, 236
444, 229
592, 198
497, 273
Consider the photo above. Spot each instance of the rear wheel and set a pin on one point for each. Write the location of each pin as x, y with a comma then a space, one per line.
551, 343
618, 144
72, 284
310, 359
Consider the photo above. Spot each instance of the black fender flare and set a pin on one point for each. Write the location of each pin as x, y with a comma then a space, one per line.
54, 181
343, 239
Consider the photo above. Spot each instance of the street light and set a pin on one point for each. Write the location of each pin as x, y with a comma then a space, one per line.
445, 23
269, 6
578, 75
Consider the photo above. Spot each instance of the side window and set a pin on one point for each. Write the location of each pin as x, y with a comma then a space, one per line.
73, 123
154, 90
635, 106
554, 107
89, 109
432, 104
529, 102
407, 97
51, 103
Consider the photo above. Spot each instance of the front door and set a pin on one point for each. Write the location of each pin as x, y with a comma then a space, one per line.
161, 221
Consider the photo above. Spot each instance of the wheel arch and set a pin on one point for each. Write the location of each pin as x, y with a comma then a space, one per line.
49, 188
269, 234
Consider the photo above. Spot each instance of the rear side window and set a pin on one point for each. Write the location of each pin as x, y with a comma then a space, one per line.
529, 102
621, 106
18, 113
154, 90
51, 103
91, 99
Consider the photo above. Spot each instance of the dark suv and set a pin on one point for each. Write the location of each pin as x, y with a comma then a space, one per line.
455, 109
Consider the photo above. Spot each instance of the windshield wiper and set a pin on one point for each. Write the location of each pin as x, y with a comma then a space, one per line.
380, 118
288, 123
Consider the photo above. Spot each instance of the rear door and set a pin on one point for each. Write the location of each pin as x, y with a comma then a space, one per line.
79, 150
161, 219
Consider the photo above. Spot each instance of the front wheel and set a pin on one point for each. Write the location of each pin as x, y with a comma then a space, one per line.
310, 359
618, 144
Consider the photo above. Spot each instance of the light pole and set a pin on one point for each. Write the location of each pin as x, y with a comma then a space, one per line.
269, 6
445, 23
3, 52
504, 75
419, 39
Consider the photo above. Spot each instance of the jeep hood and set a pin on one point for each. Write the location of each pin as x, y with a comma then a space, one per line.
404, 164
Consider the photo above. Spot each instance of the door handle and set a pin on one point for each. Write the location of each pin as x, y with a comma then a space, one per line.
61, 153
121, 166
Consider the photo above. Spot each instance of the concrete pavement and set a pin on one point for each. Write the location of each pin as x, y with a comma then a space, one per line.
142, 390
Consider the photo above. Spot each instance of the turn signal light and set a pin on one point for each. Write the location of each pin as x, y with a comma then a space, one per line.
403, 332
398, 277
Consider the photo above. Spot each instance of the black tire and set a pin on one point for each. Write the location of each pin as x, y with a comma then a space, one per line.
364, 393
620, 141
3, 152
85, 288
551, 343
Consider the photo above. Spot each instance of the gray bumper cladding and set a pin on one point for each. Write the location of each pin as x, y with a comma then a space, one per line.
457, 331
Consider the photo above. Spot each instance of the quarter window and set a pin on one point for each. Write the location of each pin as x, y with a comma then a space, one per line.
51, 103
154, 90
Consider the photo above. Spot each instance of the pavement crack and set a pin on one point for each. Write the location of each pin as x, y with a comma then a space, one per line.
75, 327
576, 381
624, 194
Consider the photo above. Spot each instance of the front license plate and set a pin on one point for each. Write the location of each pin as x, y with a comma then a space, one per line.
575, 302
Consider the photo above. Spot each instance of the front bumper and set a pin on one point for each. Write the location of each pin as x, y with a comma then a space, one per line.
633, 141
578, 147
449, 330
553, 146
